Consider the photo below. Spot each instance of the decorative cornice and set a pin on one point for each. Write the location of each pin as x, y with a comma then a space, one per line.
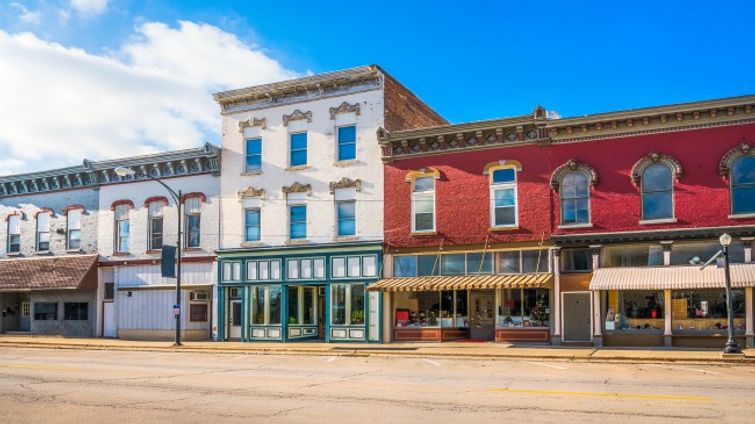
345, 182
161, 199
501, 164
296, 116
251, 192
653, 158
422, 172
121, 202
571, 166
744, 149
253, 122
344, 107
297, 188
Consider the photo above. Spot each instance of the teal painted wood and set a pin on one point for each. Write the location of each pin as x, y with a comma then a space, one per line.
284, 313
222, 322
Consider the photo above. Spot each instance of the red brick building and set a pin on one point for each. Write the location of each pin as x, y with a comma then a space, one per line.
578, 230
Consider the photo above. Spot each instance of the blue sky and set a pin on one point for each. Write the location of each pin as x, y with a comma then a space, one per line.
485, 60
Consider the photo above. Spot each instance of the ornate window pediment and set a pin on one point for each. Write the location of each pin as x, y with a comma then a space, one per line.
345, 182
251, 192
344, 108
298, 188
422, 172
253, 122
570, 166
744, 149
297, 115
653, 158
501, 164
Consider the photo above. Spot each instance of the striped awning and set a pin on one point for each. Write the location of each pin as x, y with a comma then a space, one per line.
464, 282
671, 277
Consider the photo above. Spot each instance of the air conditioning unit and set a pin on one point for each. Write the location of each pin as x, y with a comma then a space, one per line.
199, 296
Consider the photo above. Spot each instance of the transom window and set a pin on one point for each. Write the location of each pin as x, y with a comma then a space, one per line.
43, 231
347, 143
231, 271
743, 185
657, 192
14, 234
354, 266
574, 193
423, 205
263, 270
305, 268
503, 195
298, 156
253, 155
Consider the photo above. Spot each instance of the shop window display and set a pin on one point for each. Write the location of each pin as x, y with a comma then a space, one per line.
524, 308
446, 309
705, 310
635, 311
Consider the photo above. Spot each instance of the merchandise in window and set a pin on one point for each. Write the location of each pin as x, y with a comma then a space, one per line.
524, 308
694, 311
635, 311
417, 309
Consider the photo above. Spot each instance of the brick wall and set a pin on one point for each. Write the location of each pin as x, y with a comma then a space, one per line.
404, 110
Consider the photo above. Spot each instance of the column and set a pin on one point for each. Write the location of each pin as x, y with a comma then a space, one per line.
597, 311
747, 243
387, 316
749, 334
667, 340
556, 313
666, 245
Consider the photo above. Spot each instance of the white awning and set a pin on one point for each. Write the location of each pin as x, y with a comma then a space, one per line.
671, 277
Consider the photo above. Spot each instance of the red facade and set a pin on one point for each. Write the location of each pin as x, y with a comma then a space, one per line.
701, 194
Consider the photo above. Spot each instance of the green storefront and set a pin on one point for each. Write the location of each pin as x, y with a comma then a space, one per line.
300, 293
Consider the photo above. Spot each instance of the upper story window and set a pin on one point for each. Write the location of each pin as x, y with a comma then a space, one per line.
14, 234
423, 204
346, 216
575, 199
252, 225
122, 228
298, 146
347, 143
253, 155
743, 185
155, 218
297, 215
193, 211
503, 195
576, 260
73, 229
43, 231
657, 192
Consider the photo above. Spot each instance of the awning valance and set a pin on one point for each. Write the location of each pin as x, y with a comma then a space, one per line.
671, 277
464, 282
49, 273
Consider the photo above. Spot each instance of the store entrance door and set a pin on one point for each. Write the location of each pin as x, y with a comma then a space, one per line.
234, 320
482, 314
577, 320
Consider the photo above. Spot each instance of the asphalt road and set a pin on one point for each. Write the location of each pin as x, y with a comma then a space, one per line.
78, 386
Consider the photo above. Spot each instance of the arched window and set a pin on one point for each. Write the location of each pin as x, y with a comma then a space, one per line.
743, 185
657, 192
503, 198
575, 198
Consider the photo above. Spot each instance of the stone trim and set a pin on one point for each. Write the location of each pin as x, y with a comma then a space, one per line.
251, 192
653, 158
344, 107
345, 182
571, 166
253, 122
162, 199
45, 210
120, 202
72, 207
296, 116
422, 172
14, 213
297, 188
490, 166
193, 194
729, 157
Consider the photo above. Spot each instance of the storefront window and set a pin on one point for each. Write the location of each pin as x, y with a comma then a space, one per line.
453, 309
635, 311
476, 265
452, 264
405, 266
508, 263
309, 305
524, 261
258, 305
417, 309
428, 265
347, 304
705, 310
293, 305
524, 308
357, 305
632, 255
275, 305
696, 253
266, 305
338, 296
301, 305
534, 261
576, 260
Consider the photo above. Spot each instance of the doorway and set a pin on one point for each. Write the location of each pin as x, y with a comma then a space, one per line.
108, 319
577, 316
234, 320
482, 316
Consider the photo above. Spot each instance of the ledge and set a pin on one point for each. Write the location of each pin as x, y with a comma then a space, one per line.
192, 249
658, 221
570, 226
251, 244
297, 241
154, 252
298, 168
74, 251
346, 163
345, 238
742, 216
43, 253
251, 173
118, 253
14, 254
503, 229
424, 233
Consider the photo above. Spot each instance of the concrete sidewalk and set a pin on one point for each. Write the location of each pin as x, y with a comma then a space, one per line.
450, 349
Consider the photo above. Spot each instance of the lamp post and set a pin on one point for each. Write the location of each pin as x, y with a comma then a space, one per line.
731, 344
126, 172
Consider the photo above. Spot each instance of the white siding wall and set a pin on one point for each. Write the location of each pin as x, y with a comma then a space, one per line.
149, 275
153, 310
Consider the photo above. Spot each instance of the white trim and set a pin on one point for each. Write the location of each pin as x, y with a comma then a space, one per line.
414, 214
658, 221
671, 219
742, 216
503, 186
567, 226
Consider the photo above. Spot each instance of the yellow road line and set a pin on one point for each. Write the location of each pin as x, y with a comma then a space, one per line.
40, 367
603, 394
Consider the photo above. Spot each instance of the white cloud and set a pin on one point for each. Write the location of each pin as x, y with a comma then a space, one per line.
89, 7
27, 16
63, 104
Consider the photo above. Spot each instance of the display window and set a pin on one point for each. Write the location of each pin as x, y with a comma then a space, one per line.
301, 305
524, 308
266, 305
704, 311
347, 304
447, 309
635, 311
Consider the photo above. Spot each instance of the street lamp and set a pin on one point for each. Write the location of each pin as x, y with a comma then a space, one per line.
128, 172
731, 344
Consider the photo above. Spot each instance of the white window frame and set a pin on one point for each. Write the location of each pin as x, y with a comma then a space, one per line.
502, 186
16, 218
117, 221
43, 231
416, 194
151, 217
188, 212
69, 228
233, 268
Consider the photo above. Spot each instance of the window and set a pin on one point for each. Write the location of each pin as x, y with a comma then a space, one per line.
576, 260
253, 155
524, 261
347, 143
446, 309
524, 308
698, 252
298, 149
301, 305
192, 207
453, 264
121, 228
198, 312
503, 195
346, 213
263, 270
575, 199
109, 291
252, 225
75, 311
635, 311
14, 234
297, 222
347, 304
632, 255
743, 185
306, 268
266, 305
476, 265
657, 192
155, 216
73, 228
45, 311
428, 265
695, 311
231, 271
423, 205
404, 266
43, 231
